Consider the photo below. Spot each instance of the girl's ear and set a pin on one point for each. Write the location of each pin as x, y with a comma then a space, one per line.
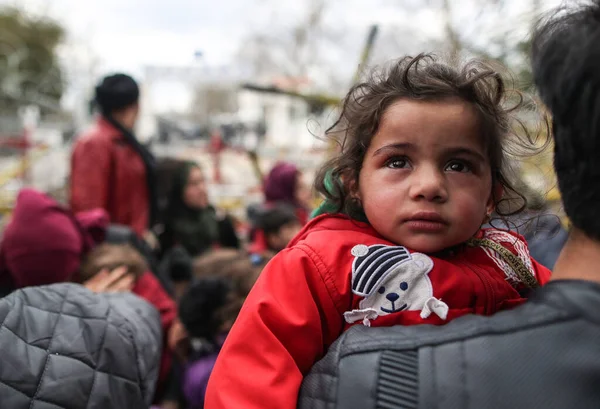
354, 190
495, 196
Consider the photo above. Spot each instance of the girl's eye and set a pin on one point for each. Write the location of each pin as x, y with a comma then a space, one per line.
397, 163
458, 166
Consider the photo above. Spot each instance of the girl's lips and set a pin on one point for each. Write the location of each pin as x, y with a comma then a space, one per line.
430, 222
427, 216
429, 226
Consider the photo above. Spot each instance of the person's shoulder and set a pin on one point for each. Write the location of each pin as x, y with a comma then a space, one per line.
331, 242
509, 239
99, 133
508, 250
334, 230
92, 138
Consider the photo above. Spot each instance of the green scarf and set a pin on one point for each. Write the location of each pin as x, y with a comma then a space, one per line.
326, 206
330, 207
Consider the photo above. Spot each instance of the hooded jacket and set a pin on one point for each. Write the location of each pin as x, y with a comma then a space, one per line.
64, 346
337, 273
44, 244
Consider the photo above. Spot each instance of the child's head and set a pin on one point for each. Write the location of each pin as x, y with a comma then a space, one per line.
212, 302
279, 224
214, 261
178, 265
111, 256
423, 152
205, 308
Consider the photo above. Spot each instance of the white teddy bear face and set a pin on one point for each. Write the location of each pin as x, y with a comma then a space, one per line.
391, 279
405, 287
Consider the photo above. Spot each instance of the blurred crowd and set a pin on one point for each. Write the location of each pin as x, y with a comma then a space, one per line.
139, 225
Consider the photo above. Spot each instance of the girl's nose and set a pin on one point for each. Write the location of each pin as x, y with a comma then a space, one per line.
429, 184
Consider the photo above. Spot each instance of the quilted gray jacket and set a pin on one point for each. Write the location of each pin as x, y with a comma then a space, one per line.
64, 347
543, 354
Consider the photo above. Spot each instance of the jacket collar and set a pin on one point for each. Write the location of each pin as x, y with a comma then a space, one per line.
106, 128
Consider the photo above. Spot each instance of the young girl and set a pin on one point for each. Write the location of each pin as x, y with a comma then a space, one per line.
421, 168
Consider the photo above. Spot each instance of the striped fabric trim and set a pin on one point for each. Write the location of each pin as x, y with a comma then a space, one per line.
370, 270
397, 385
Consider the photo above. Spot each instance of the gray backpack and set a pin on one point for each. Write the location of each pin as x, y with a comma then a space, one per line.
544, 354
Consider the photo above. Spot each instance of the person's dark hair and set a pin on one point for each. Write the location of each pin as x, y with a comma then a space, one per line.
566, 71
426, 78
177, 265
108, 256
116, 92
180, 174
202, 307
214, 300
166, 171
273, 218
214, 261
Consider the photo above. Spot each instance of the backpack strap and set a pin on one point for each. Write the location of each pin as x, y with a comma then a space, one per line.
520, 269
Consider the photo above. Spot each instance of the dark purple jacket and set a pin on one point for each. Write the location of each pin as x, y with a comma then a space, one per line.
195, 379
196, 374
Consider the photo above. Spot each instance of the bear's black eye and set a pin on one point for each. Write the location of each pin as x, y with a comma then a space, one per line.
381, 290
403, 285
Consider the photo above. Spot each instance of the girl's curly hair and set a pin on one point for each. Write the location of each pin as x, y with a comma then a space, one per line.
426, 77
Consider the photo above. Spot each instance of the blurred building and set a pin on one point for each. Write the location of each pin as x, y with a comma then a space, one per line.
247, 117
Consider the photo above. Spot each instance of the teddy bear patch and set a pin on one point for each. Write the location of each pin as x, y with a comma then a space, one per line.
391, 279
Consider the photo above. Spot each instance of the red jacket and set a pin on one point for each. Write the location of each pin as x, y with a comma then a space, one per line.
108, 173
149, 288
337, 273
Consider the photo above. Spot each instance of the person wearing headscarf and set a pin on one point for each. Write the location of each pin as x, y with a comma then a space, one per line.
190, 221
283, 187
284, 184
110, 168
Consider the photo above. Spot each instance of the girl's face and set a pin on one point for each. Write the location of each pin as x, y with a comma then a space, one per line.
425, 181
195, 194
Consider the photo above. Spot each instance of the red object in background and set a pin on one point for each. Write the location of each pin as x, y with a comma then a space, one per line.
21, 142
216, 147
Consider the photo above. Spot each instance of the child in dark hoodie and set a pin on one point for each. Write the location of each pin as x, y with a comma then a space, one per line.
207, 311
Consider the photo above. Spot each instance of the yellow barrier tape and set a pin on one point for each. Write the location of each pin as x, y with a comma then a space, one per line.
21, 166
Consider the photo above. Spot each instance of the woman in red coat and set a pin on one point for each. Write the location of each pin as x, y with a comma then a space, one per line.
110, 169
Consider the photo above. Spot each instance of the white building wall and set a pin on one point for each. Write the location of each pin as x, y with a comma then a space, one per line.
286, 117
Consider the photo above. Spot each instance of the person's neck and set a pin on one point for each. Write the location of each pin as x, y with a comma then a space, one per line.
579, 259
125, 119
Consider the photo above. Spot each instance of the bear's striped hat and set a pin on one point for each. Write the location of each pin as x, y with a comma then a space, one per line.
372, 264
